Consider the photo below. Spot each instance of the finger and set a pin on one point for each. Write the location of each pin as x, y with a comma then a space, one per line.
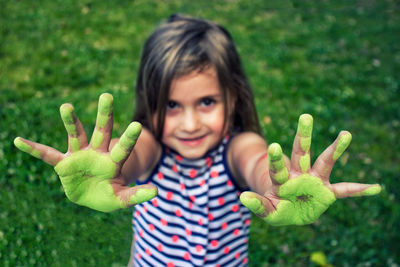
102, 132
257, 204
137, 194
324, 163
76, 134
45, 153
301, 146
342, 190
125, 144
276, 163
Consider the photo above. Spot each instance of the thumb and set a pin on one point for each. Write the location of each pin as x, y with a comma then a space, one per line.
256, 203
138, 194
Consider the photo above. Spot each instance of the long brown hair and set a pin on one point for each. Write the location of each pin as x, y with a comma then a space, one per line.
180, 46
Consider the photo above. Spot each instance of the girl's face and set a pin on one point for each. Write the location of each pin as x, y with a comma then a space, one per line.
194, 120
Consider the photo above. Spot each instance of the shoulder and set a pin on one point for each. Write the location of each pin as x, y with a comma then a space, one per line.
242, 150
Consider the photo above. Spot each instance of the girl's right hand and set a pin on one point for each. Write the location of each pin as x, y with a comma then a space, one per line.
90, 173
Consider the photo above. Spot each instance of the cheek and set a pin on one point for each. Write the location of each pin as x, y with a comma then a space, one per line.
216, 122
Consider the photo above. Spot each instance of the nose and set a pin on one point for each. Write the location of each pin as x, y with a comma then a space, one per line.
190, 121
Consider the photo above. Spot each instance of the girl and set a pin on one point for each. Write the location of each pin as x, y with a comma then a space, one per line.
200, 148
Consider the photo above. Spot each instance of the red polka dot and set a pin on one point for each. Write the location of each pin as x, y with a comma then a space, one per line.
144, 208
214, 174
170, 264
141, 233
214, 243
169, 195
183, 187
235, 208
199, 248
224, 225
236, 231
190, 205
179, 157
237, 255
210, 217
175, 238
137, 214
148, 252
221, 201
178, 213
159, 247
226, 250
247, 222
164, 222
175, 168
192, 173
192, 198
154, 202
203, 182
151, 227
138, 256
229, 183
160, 175
186, 256
246, 241
217, 265
188, 232
200, 221
245, 260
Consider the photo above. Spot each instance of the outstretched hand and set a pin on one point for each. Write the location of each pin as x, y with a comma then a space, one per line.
300, 194
90, 173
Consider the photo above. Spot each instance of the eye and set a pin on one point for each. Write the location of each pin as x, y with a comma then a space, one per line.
171, 105
207, 101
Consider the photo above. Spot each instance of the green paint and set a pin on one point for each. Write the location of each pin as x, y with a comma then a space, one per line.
304, 163
305, 143
370, 191
66, 111
342, 144
126, 142
276, 163
282, 176
85, 176
305, 126
143, 195
105, 109
21, 145
118, 153
274, 151
97, 138
303, 200
74, 144
251, 201
275, 157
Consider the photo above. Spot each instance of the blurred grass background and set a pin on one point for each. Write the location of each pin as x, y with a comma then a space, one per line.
337, 60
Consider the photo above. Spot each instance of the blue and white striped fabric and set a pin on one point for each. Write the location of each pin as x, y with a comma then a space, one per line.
197, 218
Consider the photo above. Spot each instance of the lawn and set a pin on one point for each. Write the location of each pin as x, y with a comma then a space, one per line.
338, 61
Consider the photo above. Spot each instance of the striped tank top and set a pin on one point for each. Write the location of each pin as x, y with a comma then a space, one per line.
197, 218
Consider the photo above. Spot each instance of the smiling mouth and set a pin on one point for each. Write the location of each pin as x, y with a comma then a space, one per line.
192, 141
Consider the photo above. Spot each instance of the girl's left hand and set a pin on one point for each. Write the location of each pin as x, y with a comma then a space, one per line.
300, 194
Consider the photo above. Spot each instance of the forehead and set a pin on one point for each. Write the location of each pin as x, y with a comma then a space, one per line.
195, 84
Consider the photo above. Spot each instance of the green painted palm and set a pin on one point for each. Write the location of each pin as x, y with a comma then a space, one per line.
90, 173
300, 194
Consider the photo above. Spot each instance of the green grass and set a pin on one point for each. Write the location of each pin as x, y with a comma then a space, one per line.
336, 61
